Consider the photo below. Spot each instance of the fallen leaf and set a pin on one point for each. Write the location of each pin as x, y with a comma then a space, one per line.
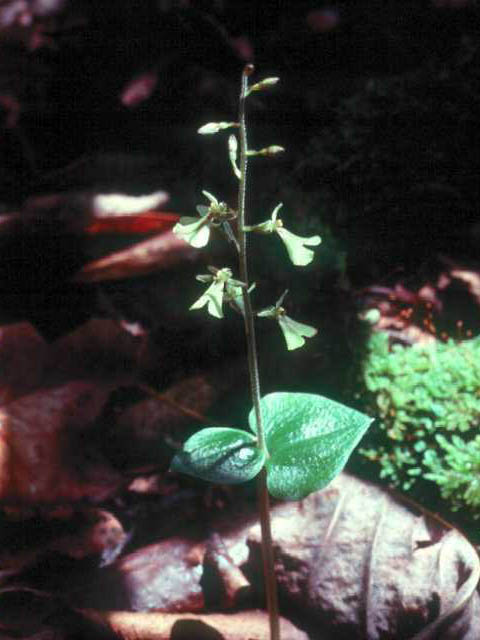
139, 88
45, 456
161, 252
23, 355
471, 279
251, 625
360, 563
227, 584
100, 349
151, 222
165, 576
51, 401
141, 432
105, 205
353, 561
76, 212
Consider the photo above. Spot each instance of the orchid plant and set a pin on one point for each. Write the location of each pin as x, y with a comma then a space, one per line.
295, 443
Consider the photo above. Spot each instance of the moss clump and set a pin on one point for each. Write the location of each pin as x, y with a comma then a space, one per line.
427, 399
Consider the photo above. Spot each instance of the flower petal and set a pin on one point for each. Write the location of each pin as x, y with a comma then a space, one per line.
193, 230
298, 253
269, 312
202, 210
209, 196
213, 298
295, 332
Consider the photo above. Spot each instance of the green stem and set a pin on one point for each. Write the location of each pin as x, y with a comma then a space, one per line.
271, 596
263, 497
242, 242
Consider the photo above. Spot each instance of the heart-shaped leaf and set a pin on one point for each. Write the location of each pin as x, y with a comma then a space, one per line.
309, 439
220, 454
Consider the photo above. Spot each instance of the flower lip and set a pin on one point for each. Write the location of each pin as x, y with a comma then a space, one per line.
294, 332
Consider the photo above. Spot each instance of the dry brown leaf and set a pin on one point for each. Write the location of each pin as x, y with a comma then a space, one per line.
227, 584
352, 561
43, 454
100, 349
22, 360
362, 564
471, 279
164, 576
59, 411
245, 625
51, 398
79, 212
161, 252
140, 432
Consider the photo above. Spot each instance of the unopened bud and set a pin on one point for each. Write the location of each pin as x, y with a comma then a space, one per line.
215, 127
232, 153
268, 151
263, 84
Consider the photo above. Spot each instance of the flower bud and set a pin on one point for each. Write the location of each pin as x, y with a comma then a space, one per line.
215, 127
267, 151
263, 84
232, 153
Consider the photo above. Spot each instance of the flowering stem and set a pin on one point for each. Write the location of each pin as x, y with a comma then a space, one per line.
263, 497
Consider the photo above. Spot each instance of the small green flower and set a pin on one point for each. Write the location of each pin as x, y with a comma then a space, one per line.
197, 231
293, 331
222, 284
193, 230
296, 245
217, 212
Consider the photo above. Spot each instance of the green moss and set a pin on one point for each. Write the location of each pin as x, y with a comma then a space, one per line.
427, 399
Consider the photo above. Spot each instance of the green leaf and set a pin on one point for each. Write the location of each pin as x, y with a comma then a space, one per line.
309, 439
221, 455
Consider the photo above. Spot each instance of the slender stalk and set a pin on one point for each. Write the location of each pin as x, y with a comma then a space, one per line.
242, 242
262, 491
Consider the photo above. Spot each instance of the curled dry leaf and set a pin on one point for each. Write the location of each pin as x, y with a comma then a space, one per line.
227, 584
471, 279
161, 252
79, 212
107, 205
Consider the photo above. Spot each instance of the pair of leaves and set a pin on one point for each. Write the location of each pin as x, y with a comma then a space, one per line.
309, 439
